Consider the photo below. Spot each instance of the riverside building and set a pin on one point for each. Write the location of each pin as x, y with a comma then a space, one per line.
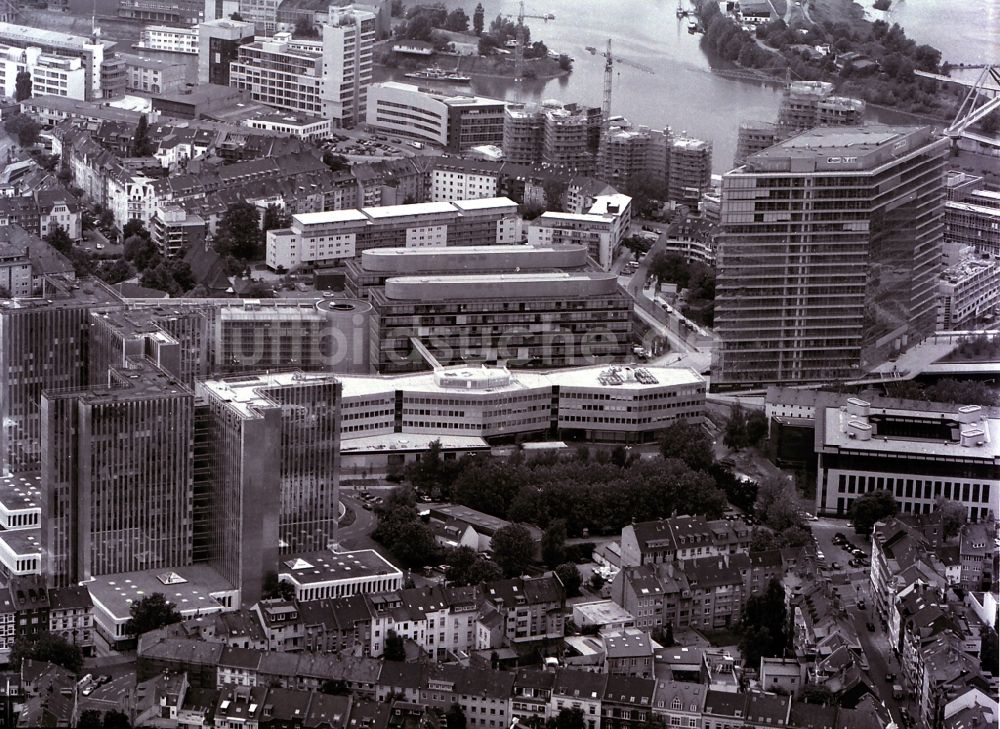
829, 254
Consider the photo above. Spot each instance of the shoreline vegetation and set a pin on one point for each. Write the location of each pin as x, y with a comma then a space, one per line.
777, 49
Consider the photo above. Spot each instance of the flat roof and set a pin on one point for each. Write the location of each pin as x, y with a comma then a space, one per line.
21, 491
189, 588
406, 442
603, 611
328, 566
31, 34
836, 435
393, 211
456, 379
483, 203
243, 392
22, 542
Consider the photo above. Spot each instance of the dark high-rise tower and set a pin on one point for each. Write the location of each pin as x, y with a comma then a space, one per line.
828, 256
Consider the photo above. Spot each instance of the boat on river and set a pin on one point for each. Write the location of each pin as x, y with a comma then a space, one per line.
439, 74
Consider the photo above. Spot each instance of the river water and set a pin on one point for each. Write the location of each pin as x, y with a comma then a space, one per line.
684, 93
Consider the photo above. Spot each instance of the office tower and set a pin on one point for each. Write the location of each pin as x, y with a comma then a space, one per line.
828, 255
116, 464
639, 153
327, 77
43, 345
271, 484
690, 169
218, 46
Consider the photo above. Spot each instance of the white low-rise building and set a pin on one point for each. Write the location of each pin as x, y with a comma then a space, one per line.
327, 237
170, 39
598, 403
305, 127
968, 290
601, 229
50, 74
918, 455
329, 575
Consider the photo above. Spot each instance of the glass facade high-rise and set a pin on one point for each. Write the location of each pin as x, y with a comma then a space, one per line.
828, 255
270, 481
117, 471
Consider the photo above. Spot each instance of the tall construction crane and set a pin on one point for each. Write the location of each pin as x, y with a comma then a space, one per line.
519, 42
971, 111
609, 62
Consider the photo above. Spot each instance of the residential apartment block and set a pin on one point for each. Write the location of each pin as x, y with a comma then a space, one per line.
170, 39
601, 229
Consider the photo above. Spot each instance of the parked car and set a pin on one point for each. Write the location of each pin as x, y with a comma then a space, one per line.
871, 626
861, 604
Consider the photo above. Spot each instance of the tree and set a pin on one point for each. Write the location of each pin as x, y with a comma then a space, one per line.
989, 653
567, 718
336, 162
569, 575
48, 647
756, 426
776, 503
596, 582
870, 508
24, 128
665, 635
150, 613
487, 44
239, 232
134, 227
431, 474
305, 29
140, 251
275, 217
646, 192
141, 145
455, 717
115, 719
468, 567
952, 516
59, 239
817, 694
275, 588
687, 442
735, 435
22, 86
554, 543
115, 271
457, 21
512, 549
89, 719
764, 625
962, 392
172, 276
477, 19
990, 124
395, 647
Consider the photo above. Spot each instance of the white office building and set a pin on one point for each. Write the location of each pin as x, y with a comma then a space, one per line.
327, 77
322, 238
170, 39
54, 45
918, 455
50, 75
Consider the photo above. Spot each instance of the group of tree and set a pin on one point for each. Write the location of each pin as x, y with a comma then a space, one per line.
697, 278
600, 494
403, 533
142, 146
239, 232
171, 275
764, 625
424, 23
948, 390
22, 86
45, 646
23, 128
477, 19
277, 589
781, 523
744, 429
152, 612
872, 507
776, 46
95, 719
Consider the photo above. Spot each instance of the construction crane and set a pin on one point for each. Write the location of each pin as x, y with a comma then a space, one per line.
609, 62
971, 111
519, 43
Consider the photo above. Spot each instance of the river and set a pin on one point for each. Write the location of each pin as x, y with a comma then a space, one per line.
684, 93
